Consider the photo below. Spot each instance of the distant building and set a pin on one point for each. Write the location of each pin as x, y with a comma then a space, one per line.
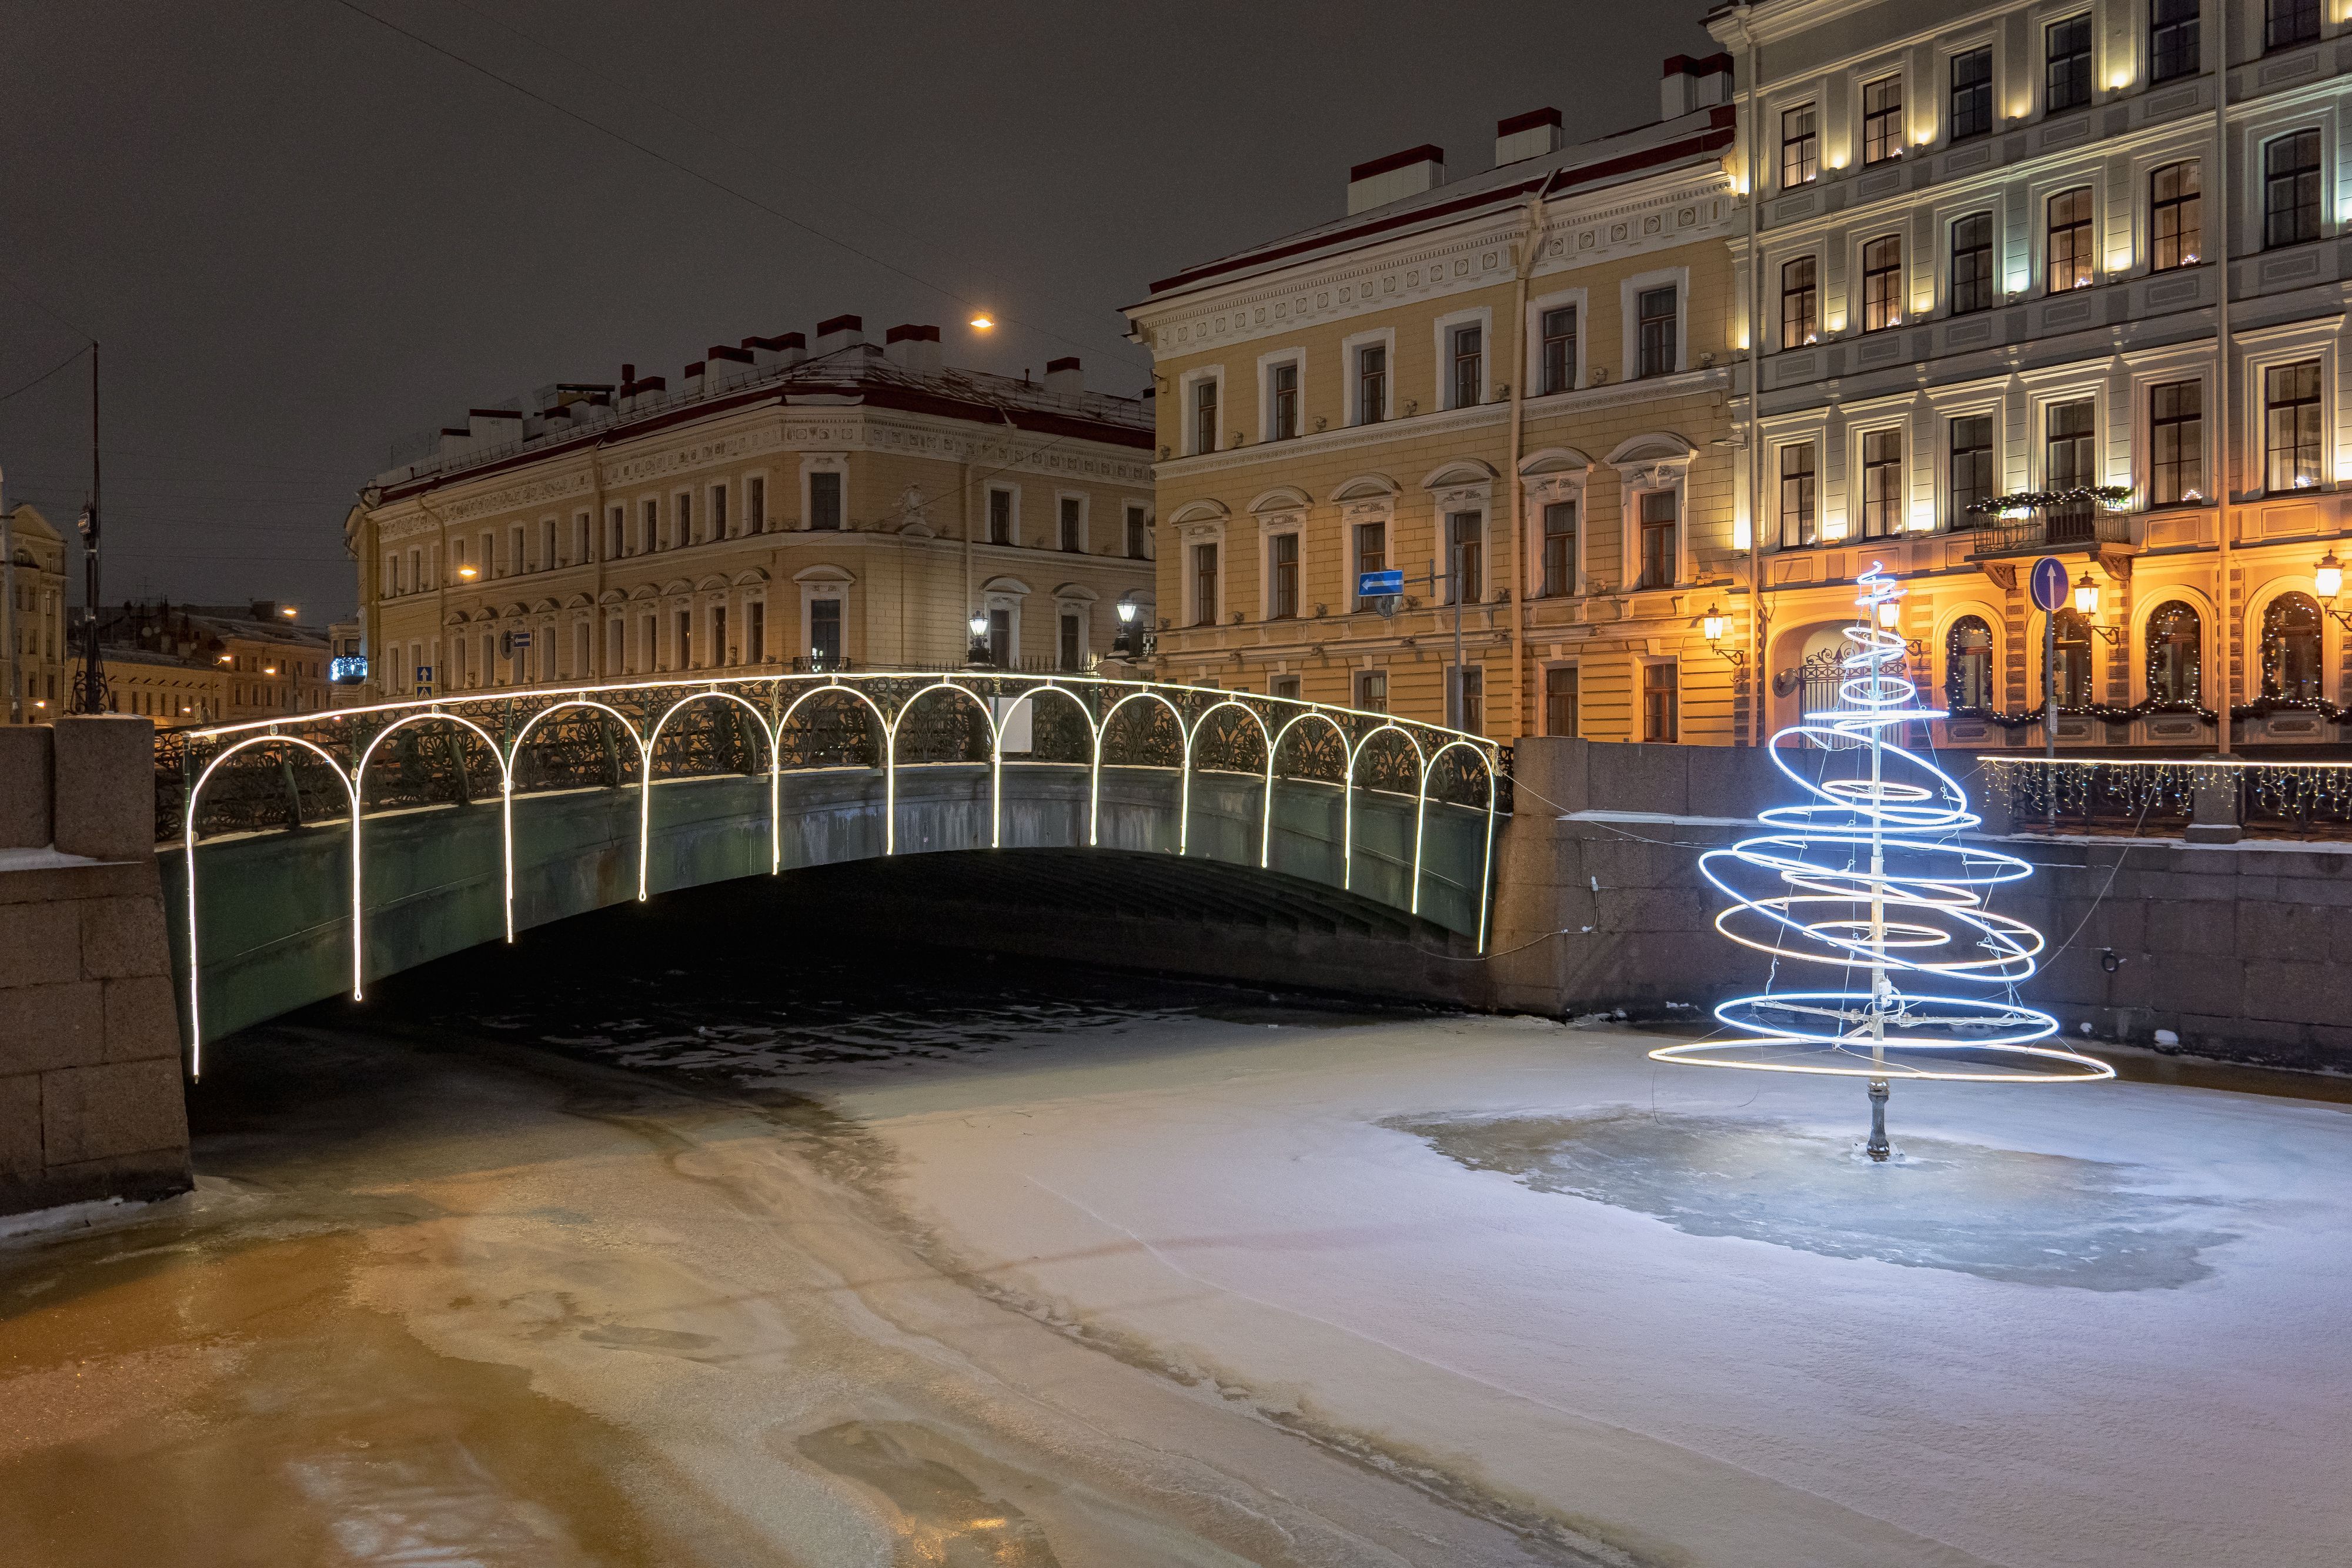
852, 507
346, 664
187, 665
40, 662
1512, 382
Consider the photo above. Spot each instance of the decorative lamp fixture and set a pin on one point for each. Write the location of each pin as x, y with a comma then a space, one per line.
979, 625
2327, 581
981, 323
1713, 624
1126, 611
289, 613
1872, 877
2086, 596
469, 572
1713, 621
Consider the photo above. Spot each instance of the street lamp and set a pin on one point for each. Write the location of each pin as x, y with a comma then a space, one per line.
2086, 605
1713, 625
979, 651
2327, 581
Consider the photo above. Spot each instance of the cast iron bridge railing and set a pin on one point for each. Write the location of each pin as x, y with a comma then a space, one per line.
357, 763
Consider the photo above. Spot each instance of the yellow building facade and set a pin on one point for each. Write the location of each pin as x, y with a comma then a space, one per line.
852, 508
36, 663
1516, 383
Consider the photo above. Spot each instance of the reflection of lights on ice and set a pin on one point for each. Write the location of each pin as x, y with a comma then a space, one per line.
1870, 876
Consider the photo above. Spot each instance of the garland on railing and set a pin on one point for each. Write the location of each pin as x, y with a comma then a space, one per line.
2293, 792
2108, 496
2109, 713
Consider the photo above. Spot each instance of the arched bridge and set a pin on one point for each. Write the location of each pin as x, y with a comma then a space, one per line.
318, 854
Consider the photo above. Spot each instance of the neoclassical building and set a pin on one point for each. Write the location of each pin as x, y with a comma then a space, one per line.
38, 665
1511, 385
852, 507
1990, 251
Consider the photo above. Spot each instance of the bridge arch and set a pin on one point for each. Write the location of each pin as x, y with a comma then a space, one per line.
195, 793
1420, 816
1421, 773
514, 752
1102, 733
359, 798
995, 766
645, 794
1339, 734
1200, 722
1094, 730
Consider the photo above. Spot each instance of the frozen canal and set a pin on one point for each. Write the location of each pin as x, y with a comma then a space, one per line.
692, 1260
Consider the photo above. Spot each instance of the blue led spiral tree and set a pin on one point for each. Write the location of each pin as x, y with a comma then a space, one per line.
1870, 875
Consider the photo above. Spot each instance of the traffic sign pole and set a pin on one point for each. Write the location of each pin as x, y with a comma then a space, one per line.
2049, 585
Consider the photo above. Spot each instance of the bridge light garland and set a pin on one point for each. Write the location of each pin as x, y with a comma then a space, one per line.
1869, 876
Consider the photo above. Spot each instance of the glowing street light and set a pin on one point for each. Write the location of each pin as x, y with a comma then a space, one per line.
2327, 580
469, 572
981, 323
2086, 596
289, 613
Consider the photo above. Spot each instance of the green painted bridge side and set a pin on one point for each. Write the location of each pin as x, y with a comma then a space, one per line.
273, 910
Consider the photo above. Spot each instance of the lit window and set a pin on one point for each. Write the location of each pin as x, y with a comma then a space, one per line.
1469, 367
1661, 703
1972, 277
2176, 443
2176, 221
2069, 249
1882, 282
1800, 146
1882, 483
2291, 189
1882, 120
1800, 498
2291, 426
1801, 311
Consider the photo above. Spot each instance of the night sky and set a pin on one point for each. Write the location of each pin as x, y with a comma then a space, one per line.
302, 235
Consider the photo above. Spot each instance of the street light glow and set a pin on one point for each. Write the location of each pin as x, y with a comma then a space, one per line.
981, 323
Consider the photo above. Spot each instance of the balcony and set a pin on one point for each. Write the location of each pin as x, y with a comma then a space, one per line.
2077, 520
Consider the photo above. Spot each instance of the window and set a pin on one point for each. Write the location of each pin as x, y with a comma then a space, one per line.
2176, 223
620, 524
1559, 700
1469, 366
2176, 443
1972, 113
1000, 516
2066, 75
685, 639
1283, 687
2171, 39
1654, 310
1282, 402
1137, 545
2291, 649
2175, 639
2286, 23
2069, 249
546, 545
1660, 703
1659, 559
720, 654
755, 505
1371, 547
1472, 683
1000, 648
1204, 414
1799, 497
2291, 189
1204, 585
1801, 302
2072, 667
755, 650
1971, 466
1882, 483
1882, 120
825, 499
649, 639
1882, 282
579, 526
1967, 665
2069, 435
718, 511
1372, 690
686, 535
1559, 329
1072, 646
1282, 575
1801, 146
1372, 384
824, 632
1972, 282
2291, 426
1072, 516
1559, 549
1464, 534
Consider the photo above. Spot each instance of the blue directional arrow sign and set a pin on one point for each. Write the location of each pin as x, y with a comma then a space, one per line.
2049, 584
1377, 584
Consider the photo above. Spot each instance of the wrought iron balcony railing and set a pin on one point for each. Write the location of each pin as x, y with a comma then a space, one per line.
2064, 524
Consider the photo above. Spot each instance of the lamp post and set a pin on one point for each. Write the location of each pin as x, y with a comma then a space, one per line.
978, 652
1712, 624
1127, 627
2086, 605
2327, 581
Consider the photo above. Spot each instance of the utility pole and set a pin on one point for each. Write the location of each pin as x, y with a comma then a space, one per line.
90, 693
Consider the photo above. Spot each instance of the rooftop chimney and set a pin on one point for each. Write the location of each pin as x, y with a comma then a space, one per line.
913, 348
1063, 375
1692, 85
789, 350
725, 360
1395, 177
494, 423
838, 332
1529, 135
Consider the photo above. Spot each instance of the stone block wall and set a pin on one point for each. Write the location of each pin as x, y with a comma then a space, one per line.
90, 1098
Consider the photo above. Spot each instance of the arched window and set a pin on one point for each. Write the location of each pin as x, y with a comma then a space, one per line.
2176, 639
1968, 665
2291, 648
2074, 662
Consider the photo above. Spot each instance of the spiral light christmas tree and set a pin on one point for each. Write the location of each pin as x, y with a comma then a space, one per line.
1870, 875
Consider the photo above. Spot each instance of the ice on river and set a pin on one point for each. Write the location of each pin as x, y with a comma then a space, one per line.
2077, 1324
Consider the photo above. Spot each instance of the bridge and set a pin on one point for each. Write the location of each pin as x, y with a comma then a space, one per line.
305, 858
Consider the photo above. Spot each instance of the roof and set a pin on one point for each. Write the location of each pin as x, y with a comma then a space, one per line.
1692, 139
862, 373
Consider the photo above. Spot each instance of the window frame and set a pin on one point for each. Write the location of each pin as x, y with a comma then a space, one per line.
1561, 585
2297, 175
2274, 40
1629, 293
1199, 439
1442, 339
1351, 349
1957, 517
2317, 402
1272, 407
1559, 370
1990, 282
1954, 89
1011, 493
1063, 500
811, 464
1645, 527
1881, 516
1885, 310
1665, 717
1806, 523
2078, 63
1884, 131
2083, 240
1271, 536
2187, 239
2192, 494
1807, 328
1801, 154
2174, 39
1575, 695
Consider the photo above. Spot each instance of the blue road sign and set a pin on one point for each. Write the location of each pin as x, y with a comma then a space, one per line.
1377, 584
2050, 583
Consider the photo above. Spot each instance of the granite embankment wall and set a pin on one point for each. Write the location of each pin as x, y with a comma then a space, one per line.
2241, 950
90, 1102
